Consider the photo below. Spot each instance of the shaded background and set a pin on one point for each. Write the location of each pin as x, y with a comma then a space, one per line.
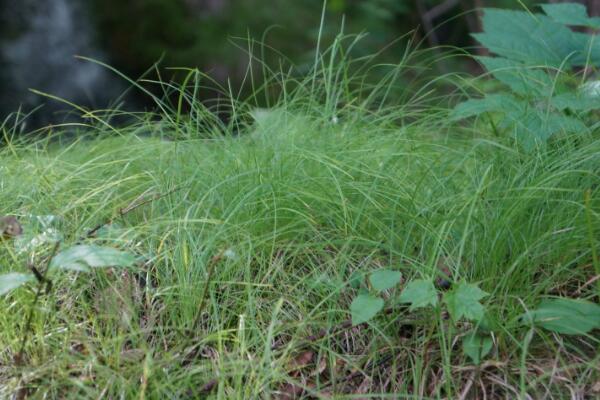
39, 38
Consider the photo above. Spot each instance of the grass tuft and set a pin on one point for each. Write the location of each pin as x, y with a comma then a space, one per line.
245, 275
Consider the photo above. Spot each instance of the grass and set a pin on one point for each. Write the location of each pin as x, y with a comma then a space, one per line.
257, 237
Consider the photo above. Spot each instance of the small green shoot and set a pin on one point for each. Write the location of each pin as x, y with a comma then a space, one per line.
366, 305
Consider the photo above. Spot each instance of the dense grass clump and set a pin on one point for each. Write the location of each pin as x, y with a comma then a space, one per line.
298, 206
250, 238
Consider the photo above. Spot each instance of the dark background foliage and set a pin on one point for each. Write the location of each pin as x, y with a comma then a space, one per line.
37, 39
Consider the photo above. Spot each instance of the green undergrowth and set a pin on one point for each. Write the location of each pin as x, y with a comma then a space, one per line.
292, 211
351, 240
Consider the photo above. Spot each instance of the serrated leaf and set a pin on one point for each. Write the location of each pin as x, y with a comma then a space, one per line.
533, 126
364, 307
490, 103
83, 257
524, 80
576, 102
463, 301
384, 279
419, 293
556, 122
477, 346
536, 39
566, 316
571, 14
13, 280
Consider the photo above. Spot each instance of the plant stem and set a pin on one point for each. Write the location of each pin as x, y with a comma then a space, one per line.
211, 267
42, 281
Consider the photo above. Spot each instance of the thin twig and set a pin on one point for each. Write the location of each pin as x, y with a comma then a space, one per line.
588, 283
465, 392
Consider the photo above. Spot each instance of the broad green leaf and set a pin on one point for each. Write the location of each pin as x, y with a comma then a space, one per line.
490, 103
384, 279
532, 126
524, 80
536, 39
12, 281
556, 122
83, 257
463, 301
576, 102
566, 316
477, 346
472, 107
419, 293
364, 307
539, 126
571, 14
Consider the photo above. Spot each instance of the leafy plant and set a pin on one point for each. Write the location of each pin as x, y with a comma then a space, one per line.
463, 302
571, 14
368, 303
364, 307
384, 279
536, 56
419, 293
79, 258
